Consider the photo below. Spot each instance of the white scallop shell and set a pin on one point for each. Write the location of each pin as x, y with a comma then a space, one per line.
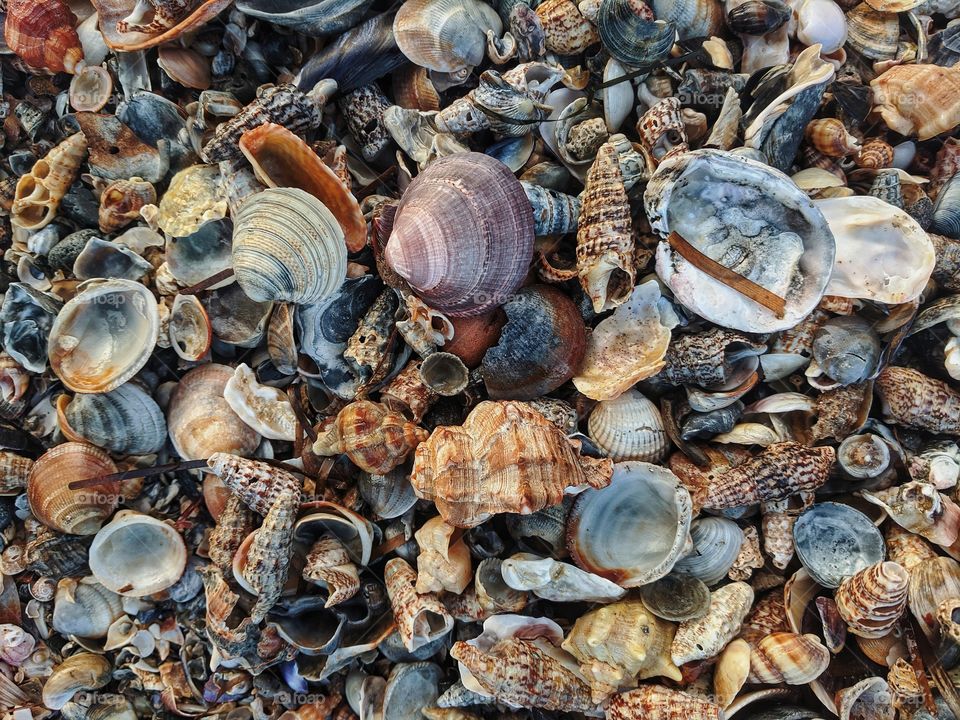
629, 427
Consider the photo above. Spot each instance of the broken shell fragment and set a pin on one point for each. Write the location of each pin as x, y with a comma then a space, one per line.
705, 637
421, 618
266, 409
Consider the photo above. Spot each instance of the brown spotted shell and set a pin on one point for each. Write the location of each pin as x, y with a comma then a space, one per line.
912, 399
657, 701
789, 658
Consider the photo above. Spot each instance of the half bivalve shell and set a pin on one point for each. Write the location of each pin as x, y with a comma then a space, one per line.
629, 427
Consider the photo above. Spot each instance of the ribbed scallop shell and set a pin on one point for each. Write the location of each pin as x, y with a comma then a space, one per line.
716, 545
656, 701
463, 234
43, 34
200, 421
126, 421
788, 658
288, 246
39, 192
52, 502
445, 35
692, 18
873, 600
629, 427
703, 638
872, 33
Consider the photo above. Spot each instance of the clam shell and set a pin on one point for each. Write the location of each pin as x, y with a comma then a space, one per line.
921, 100
676, 597
104, 335
731, 671
463, 234
605, 525
445, 35
788, 658
629, 427
202, 253
835, 541
83, 671
189, 328
137, 555
411, 687
27, 316
706, 192
389, 495
630, 34
716, 545
126, 421
288, 246
699, 18
52, 502
85, 608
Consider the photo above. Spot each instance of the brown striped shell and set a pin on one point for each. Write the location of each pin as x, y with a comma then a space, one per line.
789, 658
830, 137
873, 600
43, 34
52, 502
463, 234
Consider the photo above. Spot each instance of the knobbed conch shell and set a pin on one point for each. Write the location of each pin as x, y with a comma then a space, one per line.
921, 100
873, 600
506, 457
463, 234
126, 421
621, 643
706, 636
608, 529
43, 34
39, 192
288, 246
788, 658
749, 218
104, 335
605, 261
374, 438
421, 617
629, 427
882, 253
657, 701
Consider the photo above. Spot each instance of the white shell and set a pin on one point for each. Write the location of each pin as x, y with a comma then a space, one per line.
266, 409
716, 545
617, 99
557, 581
882, 253
821, 22
629, 427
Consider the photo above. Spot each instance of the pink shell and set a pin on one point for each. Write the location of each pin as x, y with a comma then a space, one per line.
463, 234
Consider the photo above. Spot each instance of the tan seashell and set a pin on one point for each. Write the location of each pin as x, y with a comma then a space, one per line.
506, 457
185, 66
264, 408
201, 422
52, 502
731, 671
918, 100
83, 671
883, 650
440, 564
189, 328
656, 701
374, 438
875, 154
281, 159
904, 687
235, 523
621, 643
421, 618
919, 508
769, 615
412, 88
705, 637
43, 34
489, 595
629, 427
406, 393
911, 398
931, 582
946, 165
328, 563
830, 137
288, 246
85, 608
193, 198
906, 548
777, 526
872, 33
789, 658
873, 600
39, 192
566, 31
445, 36
121, 201
521, 674
123, 27
14, 471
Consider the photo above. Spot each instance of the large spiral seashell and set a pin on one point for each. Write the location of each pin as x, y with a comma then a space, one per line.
463, 234
629, 427
788, 658
875, 154
657, 701
873, 600
288, 246
39, 192
43, 33
52, 502
912, 399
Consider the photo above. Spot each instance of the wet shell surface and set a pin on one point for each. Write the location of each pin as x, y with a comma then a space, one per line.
716, 545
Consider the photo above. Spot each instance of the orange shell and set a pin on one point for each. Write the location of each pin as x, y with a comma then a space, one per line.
43, 34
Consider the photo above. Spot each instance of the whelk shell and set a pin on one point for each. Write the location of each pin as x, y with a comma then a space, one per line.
39, 192
661, 702
43, 34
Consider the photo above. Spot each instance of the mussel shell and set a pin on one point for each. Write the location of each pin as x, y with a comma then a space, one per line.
126, 420
410, 688
834, 542
757, 17
946, 210
676, 597
389, 496
317, 18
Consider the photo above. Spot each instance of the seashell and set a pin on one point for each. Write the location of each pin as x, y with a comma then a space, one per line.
932, 108
116, 153
946, 216
413, 90
442, 564
918, 507
905, 548
676, 597
673, 198
193, 198
705, 637
539, 348
375, 439
781, 470
866, 227
421, 618
411, 687
605, 262
184, 66
872, 33
281, 159
200, 422
868, 698
661, 702
629, 427
731, 671
14, 471
875, 154
830, 137
125, 421
510, 111
444, 374
27, 316
932, 582
288, 246
364, 108
566, 31
621, 643
554, 213
915, 400
946, 165
617, 99
557, 581
716, 545
835, 542
39, 192
104, 335
428, 230
863, 457
873, 600
389, 495
846, 350
631, 35
520, 673
662, 130
787, 657
445, 36
643, 499
528, 457
43, 35
52, 502
266, 409
102, 259
282, 104
408, 394
544, 531
189, 328
136, 555
121, 201
328, 563
83, 671
626, 347
85, 608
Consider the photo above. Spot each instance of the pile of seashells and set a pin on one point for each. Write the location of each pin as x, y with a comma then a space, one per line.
463, 359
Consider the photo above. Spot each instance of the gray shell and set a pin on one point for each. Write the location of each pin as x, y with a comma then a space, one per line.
835, 541
126, 421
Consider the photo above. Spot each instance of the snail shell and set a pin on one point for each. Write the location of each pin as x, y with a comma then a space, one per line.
288, 246
662, 703
872, 601
39, 192
43, 34
421, 618
830, 137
